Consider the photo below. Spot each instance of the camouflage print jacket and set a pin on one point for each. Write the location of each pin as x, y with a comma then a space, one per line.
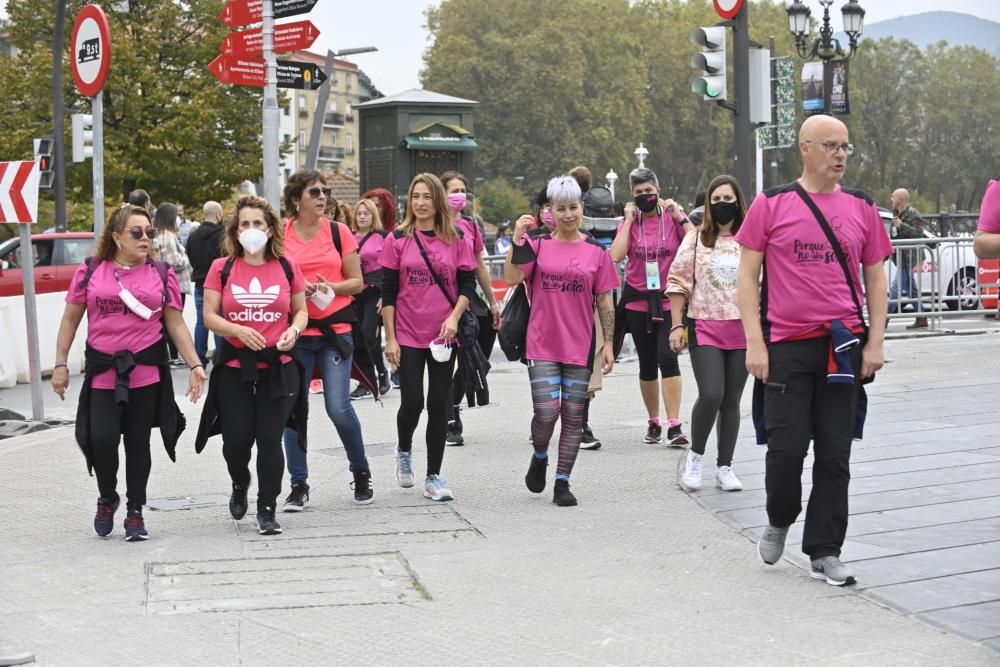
912, 227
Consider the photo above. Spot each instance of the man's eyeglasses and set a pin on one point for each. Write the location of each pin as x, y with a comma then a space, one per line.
316, 192
138, 232
832, 146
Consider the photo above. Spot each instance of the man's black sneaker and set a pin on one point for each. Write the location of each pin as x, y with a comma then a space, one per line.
384, 385
654, 433
361, 392
535, 479
362, 485
297, 499
135, 527
394, 378
454, 435
561, 495
238, 502
588, 441
104, 520
266, 523
676, 438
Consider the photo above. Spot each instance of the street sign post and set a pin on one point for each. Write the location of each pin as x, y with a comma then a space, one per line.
19, 203
245, 12
287, 37
91, 57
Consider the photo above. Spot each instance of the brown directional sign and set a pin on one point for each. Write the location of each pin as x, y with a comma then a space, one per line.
296, 36
245, 12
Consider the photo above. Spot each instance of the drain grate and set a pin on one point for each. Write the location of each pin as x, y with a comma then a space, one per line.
288, 582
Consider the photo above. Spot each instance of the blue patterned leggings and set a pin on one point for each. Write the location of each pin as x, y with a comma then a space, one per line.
558, 390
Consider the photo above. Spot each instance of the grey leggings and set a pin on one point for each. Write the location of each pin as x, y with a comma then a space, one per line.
721, 376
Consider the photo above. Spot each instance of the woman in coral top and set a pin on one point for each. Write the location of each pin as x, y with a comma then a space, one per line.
703, 278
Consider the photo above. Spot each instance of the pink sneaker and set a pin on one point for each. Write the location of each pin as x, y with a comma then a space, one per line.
316, 387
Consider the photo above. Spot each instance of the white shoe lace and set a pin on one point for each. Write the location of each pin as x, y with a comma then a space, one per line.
693, 466
727, 476
405, 469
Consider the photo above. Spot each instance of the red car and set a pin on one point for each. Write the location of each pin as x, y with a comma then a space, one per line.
56, 257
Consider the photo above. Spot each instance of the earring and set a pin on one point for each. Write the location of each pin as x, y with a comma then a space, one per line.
296, 208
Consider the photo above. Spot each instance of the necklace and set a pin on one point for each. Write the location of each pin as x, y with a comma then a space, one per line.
127, 266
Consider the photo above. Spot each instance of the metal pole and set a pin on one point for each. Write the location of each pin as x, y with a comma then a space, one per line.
31, 322
58, 159
828, 87
758, 163
269, 125
774, 174
743, 129
97, 115
317, 129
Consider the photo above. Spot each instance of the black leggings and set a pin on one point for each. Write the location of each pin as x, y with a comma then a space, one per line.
248, 413
487, 337
721, 376
371, 326
656, 359
411, 385
109, 422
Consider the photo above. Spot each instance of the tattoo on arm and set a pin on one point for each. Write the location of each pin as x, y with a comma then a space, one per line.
606, 311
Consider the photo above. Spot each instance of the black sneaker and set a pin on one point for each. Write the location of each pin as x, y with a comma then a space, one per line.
676, 438
394, 379
588, 441
384, 385
561, 495
297, 499
104, 520
362, 485
654, 434
535, 479
454, 435
361, 392
266, 523
135, 527
238, 502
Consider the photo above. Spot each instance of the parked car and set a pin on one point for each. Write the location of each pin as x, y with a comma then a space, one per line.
957, 274
55, 258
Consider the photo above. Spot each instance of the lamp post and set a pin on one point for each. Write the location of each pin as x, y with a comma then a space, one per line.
316, 135
611, 177
641, 153
825, 46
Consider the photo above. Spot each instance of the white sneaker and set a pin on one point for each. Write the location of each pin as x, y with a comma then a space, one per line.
689, 471
726, 479
404, 469
436, 488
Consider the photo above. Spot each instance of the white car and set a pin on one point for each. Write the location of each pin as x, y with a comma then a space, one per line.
957, 273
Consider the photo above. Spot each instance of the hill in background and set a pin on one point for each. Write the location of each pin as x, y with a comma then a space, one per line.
931, 27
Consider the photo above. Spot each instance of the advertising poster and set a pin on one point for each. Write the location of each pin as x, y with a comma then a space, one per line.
812, 88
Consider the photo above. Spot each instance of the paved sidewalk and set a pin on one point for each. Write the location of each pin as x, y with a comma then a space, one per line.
638, 574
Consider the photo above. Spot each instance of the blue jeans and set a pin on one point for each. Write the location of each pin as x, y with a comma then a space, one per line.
336, 375
200, 331
907, 283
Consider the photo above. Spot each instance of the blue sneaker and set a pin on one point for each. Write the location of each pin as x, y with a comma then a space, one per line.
135, 527
104, 520
436, 488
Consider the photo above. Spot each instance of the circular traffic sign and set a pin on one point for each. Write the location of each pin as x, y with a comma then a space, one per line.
729, 9
91, 54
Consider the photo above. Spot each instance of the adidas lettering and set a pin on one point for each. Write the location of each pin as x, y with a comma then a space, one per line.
256, 316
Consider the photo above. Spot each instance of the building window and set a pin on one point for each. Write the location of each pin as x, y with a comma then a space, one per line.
302, 139
350, 142
333, 105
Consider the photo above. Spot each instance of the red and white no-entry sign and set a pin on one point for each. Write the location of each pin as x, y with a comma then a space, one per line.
729, 9
19, 192
91, 55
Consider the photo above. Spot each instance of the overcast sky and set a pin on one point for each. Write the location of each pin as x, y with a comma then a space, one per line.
397, 28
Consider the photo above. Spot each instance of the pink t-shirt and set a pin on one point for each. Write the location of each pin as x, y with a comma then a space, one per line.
989, 212
319, 255
652, 238
370, 252
473, 235
258, 297
805, 284
111, 326
563, 282
421, 308
723, 334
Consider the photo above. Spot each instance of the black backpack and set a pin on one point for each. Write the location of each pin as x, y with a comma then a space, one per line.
598, 203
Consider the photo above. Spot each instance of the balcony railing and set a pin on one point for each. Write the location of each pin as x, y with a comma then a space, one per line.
331, 153
334, 120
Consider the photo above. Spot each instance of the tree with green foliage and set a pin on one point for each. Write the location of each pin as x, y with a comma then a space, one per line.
500, 201
169, 126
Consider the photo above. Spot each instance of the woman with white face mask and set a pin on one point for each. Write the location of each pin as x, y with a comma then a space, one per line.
255, 299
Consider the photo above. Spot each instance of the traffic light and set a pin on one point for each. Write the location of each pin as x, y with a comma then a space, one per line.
83, 136
711, 61
43, 156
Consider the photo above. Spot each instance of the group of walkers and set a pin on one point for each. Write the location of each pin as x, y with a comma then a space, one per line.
767, 291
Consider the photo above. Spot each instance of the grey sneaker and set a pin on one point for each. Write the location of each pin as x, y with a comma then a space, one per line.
404, 469
436, 488
831, 569
771, 544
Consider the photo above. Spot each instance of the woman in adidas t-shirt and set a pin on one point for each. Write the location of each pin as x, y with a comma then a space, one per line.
424, 258
565, 274
255, 298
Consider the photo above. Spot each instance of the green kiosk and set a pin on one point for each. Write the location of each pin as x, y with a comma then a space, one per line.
414, 132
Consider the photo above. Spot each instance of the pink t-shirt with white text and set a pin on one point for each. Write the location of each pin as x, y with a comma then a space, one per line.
421, 308
370, 251
111, 326
651, 238
804, 281
563, 282
989, 212
258, 297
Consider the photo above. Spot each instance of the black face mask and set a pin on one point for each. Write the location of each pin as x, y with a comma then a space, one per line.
646, 203
724, 212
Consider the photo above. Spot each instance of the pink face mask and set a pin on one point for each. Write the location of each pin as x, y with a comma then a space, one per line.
457, 201
547, 219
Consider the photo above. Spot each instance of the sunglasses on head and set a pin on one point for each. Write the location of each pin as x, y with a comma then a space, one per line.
316, 192
138, 232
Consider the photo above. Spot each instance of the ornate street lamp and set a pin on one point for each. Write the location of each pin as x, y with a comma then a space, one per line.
611, 177
641, 152
825, 46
